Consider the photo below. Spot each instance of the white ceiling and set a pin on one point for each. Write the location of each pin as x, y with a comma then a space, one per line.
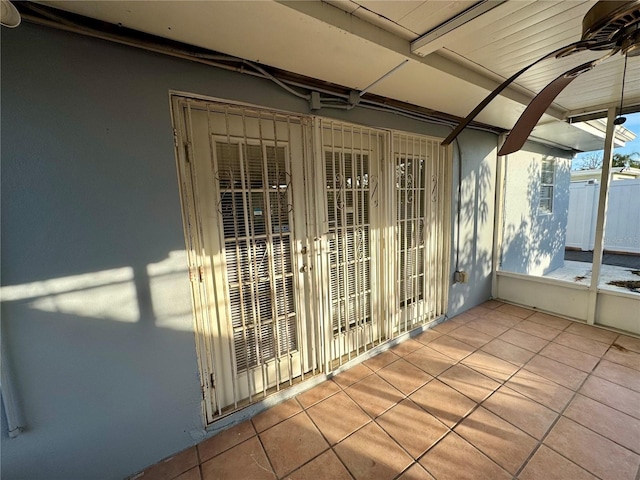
353, 43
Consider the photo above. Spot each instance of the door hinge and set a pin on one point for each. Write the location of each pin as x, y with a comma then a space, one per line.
196, 274
213, 381
175, 137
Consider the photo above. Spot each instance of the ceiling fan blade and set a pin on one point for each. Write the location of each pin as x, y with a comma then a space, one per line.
563, 52
527, 121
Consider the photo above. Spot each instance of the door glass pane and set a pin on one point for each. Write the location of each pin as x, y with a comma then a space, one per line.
348, 199
256, 225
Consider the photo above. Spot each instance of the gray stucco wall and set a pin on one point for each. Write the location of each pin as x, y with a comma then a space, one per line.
533, 243
477, 194
96, 310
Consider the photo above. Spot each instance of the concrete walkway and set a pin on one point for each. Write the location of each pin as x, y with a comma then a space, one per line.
630, 261
580, 272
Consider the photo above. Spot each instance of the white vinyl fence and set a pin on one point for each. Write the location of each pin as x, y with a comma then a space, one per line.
622, 230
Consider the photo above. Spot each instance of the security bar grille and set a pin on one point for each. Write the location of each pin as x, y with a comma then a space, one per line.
351, 160
238, 176
310, 241
254, 206
421, 223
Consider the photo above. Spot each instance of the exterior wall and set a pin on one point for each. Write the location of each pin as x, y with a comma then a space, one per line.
96, 308
533, 243
476, 219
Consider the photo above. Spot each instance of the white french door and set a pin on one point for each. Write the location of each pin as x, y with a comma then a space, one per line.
244, 211
310, 241
421, 219
348, 180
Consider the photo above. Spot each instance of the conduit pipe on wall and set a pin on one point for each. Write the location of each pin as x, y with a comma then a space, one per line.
13, 412
43, 16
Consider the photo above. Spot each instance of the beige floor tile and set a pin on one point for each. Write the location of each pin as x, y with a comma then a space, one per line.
503, 318
542, 331
374, 395
443, 402
524, 340
557, 372
549, 320
381, 360
584, 344
548, 465
416, 472
469, 382
430, 360
492, 304
337, 417
445, 327
405, 348
292, 443
541, 390
569, 356
463, 318
606, 421
326, 465
519, 312
225, 440
592, 452
529, 416
489, 326
490, 366
592, 332
372, 454
277, 414
509, 352
172, 466
454, 458
451, 347
353, 375
613, 372
613, 395
193, 474
319, 393
404, 376
623, 357
629, 343
480, 311
470, 336
427, 336
413, 428
246, 460
505, 444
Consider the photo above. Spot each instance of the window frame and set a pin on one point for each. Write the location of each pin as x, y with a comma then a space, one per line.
546, 201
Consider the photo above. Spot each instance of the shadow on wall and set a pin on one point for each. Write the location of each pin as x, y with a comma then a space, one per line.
533, 241
473, 232
106, 362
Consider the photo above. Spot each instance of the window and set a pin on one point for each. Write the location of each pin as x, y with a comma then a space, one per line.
547, 180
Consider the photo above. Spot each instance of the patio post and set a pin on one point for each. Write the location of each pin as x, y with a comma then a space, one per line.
598, 246
498, 220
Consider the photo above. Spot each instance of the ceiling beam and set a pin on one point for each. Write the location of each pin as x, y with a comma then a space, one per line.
438, 37
600, 111
349, 23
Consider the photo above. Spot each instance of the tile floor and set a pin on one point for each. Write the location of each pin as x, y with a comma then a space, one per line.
497, 392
